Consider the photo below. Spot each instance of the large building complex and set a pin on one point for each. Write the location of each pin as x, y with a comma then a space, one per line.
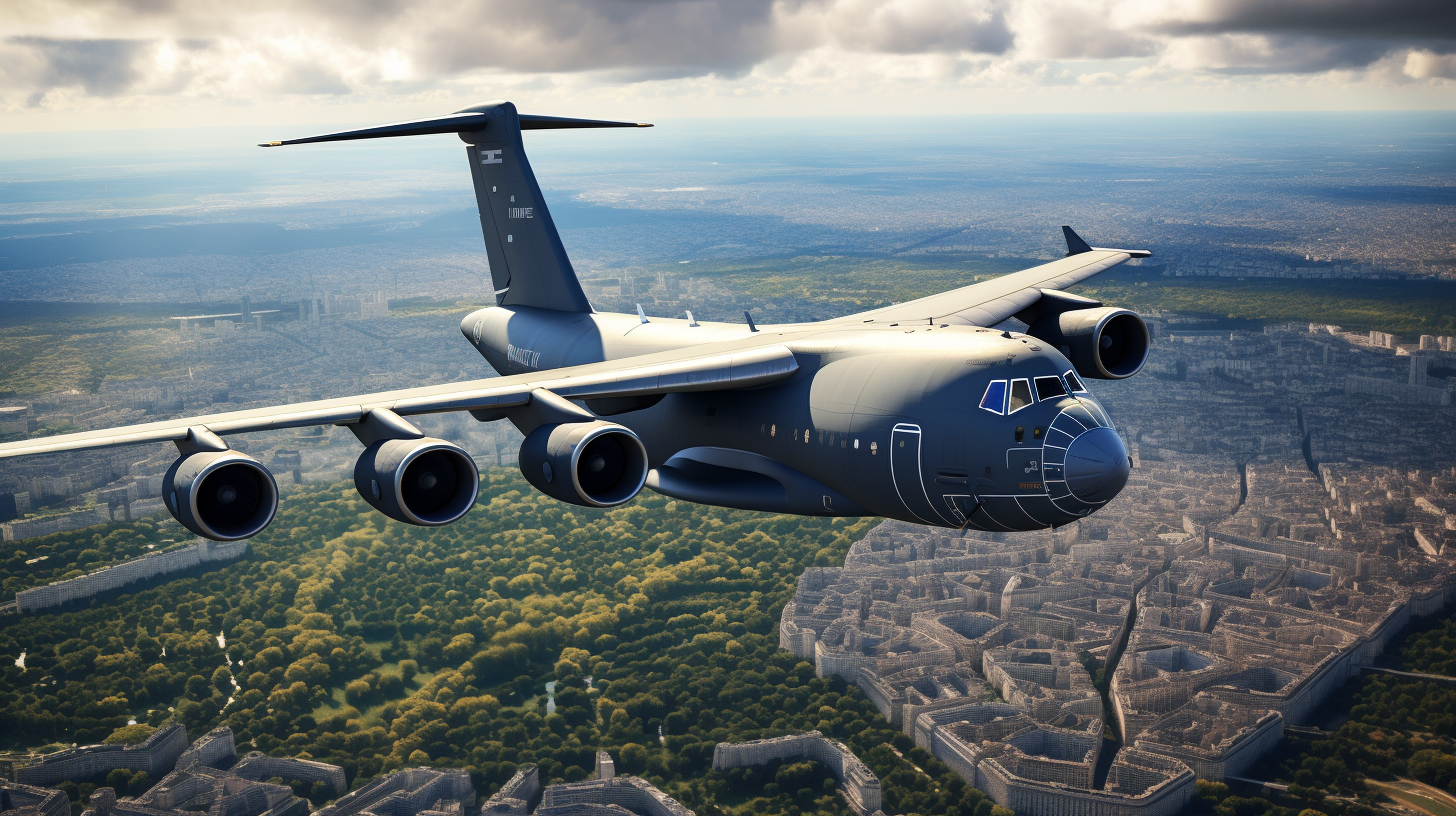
407, 793
200, 553
156, 755
606, 795
207, 779
858, 784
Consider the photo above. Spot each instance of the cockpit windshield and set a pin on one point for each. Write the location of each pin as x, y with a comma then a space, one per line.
1074, 383
1020, 396
995, 398
1049, 388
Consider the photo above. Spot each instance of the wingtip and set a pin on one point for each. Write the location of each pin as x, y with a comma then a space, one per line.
644, 124
270, 144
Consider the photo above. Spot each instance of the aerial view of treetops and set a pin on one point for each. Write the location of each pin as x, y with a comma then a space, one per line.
375, 646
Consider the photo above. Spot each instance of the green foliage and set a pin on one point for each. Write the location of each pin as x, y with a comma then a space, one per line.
778, 788
140, 783
1397, 728
119, 779
374, 645
130, 734
61, 552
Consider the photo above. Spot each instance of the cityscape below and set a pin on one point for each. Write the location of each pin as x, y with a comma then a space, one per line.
1237, 619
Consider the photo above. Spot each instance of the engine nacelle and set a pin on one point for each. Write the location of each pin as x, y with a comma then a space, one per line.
1103, 343
221, 495
592, 464
427, 482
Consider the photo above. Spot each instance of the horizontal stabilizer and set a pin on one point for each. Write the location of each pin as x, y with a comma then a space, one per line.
465, 121
528, 263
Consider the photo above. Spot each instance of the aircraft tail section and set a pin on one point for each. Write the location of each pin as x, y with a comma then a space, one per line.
528, 263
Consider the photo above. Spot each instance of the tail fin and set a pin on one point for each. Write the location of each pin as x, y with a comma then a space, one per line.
528, 264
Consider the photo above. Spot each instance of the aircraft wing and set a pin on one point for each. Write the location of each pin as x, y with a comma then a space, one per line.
662, 373
990, 302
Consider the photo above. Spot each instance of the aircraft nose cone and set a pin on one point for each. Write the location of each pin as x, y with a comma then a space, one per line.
1097, 465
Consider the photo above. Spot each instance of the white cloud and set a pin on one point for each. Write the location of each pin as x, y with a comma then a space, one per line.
67, 57
1426, 65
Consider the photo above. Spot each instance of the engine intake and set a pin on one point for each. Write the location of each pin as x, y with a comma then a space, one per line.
592, 464
427, 482
221, 495
1103, 343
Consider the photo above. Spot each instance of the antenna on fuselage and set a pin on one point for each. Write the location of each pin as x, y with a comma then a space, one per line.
749, 318
642, 315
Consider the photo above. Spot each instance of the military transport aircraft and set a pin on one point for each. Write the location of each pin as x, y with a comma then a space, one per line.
919, 411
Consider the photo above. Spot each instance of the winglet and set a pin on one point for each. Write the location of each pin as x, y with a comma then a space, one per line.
1075, 244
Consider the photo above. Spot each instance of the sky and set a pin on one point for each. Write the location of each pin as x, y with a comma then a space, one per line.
94, 65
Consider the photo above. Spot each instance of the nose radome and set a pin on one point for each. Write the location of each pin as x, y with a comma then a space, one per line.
1097, 465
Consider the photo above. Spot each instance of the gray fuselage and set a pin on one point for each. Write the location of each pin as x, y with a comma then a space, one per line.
880, 419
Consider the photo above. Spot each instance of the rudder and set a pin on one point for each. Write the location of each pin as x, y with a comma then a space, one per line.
528, 263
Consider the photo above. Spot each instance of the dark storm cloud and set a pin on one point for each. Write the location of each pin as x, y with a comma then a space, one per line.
1418, 20
101, 67
1291, 54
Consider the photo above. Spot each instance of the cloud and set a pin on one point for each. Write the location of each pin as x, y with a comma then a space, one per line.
63, 53
1272, 54
900, 26
1363, 19
309, 78
684, 37
1426, 65
1300, 36
103, 67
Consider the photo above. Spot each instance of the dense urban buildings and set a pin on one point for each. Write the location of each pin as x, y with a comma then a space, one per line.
1263, 552
27, 800
1290, 511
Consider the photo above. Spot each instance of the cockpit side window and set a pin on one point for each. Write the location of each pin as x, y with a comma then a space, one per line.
1020, 396
1074, 383
995, 399
1049, 388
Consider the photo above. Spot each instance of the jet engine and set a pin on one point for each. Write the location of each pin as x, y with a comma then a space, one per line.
592, 464
426, 481
221, 495
1103, 343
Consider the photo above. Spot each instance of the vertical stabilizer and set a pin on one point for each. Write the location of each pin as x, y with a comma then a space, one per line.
528, 264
